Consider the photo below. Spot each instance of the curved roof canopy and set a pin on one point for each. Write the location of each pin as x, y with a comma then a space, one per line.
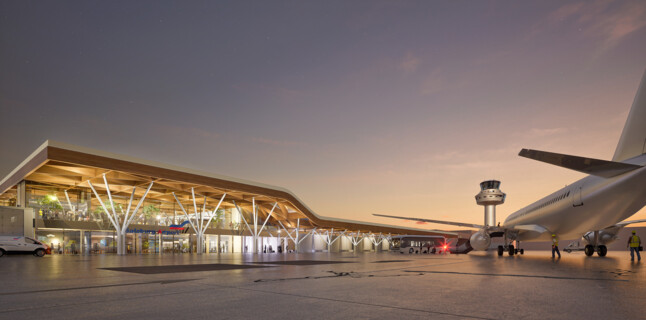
56, 165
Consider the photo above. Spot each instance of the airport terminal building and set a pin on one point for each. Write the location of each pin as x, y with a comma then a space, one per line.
84, 201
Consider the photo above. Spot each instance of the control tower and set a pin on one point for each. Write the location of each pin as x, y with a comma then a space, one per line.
490, 196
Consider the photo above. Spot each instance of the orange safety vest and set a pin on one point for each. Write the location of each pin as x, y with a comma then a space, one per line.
634, 241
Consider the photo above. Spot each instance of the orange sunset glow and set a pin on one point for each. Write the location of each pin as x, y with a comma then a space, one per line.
368, 107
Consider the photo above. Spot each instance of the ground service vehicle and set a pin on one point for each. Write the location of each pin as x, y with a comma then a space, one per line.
420, 244
25, 245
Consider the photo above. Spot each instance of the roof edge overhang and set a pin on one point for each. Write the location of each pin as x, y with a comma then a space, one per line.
58, 151
34, 161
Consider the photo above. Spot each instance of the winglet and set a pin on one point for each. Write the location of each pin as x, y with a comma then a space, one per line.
601, 168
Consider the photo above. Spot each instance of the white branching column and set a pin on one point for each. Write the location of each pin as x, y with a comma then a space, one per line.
328, 238
120, 225
356, 238
197, 223
255, 233
376, 242
297, 240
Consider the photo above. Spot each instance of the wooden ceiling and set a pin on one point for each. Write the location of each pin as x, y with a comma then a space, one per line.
57, 168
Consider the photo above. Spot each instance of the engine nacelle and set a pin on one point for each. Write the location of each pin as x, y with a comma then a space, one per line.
605, 236
480, 240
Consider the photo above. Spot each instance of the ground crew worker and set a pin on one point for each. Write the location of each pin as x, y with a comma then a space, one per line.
634, 242
555, 246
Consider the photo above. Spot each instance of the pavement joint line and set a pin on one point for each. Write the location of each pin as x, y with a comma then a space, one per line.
210, 286
162, 282
350, 274
351, 302
515, 275
32, 307
419, 266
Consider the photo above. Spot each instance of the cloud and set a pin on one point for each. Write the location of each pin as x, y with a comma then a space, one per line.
278, 143
409, 63
283, 93
189, 132
433, 84
544, 132
607, 21
565, 12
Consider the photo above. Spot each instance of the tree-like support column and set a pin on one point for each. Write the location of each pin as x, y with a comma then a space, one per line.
356, 238
114, 218
328, 238
199, 227
376, 242
255, 233
297, 240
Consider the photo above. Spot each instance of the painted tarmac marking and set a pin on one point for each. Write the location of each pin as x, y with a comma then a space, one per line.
513, 275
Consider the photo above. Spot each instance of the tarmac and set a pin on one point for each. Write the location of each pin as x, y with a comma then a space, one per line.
323, 286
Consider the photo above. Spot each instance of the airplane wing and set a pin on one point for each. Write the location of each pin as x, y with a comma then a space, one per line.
625, 223
459, 224
531, 227
596, 167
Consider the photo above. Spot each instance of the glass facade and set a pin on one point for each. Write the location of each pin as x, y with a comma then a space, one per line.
73, 221
51, 204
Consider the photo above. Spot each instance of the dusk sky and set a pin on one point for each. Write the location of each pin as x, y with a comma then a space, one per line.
358, 107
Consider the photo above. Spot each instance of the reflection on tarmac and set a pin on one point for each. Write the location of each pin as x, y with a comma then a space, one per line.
322, 285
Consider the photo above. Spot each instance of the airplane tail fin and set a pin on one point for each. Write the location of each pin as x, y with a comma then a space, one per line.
601, 168
633, 138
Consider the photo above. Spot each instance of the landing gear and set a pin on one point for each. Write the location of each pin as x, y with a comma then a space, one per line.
510, 249
602, 251
589, 250
518, 250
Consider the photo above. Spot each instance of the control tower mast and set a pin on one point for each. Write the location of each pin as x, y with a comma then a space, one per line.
490, 196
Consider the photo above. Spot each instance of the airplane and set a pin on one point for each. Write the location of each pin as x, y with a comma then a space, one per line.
592, 208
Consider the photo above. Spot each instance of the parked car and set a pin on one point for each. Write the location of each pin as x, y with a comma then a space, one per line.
13, 244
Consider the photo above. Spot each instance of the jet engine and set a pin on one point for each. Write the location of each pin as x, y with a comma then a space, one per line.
605, 236
480, 240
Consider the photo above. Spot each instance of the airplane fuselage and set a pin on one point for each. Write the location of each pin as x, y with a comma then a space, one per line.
592, 203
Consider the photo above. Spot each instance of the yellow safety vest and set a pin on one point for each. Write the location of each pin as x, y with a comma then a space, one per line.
555, 242
634, 241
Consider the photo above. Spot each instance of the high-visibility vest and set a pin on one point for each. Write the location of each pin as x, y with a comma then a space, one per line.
634, 241
555, 242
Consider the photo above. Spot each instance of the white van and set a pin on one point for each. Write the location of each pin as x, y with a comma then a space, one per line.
15, 244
